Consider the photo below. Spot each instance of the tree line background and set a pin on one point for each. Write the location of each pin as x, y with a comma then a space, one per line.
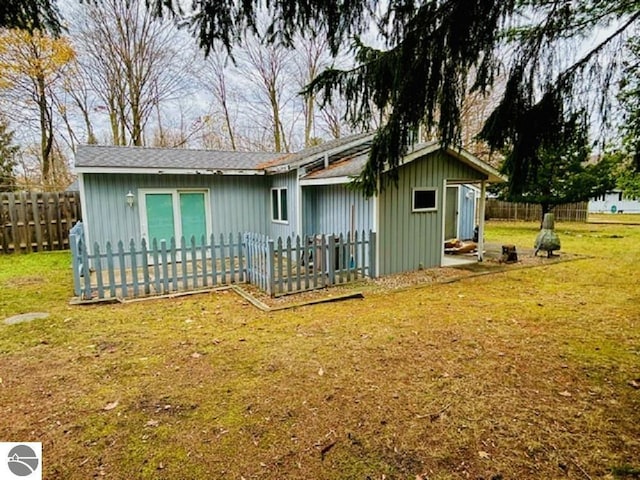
546, 91
118, 75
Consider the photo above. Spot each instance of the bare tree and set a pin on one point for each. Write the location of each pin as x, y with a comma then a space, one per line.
217, 70
268, 68
311, 57
133, 61
75, 100
32, 64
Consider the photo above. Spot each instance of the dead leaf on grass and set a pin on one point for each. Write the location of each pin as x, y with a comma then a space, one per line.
633, 383
111, 406
326, 450
564, 393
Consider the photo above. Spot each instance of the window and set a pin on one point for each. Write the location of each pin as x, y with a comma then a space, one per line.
425, 199
279, 205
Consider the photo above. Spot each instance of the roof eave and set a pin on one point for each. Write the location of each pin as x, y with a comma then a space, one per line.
308, 182
493, 176
168, 171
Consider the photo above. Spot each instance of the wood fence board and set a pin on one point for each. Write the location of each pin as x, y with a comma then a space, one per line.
37, 221
501, 210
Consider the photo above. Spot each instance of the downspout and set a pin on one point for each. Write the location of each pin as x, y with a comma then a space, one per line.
443, 218
299, 203
375, 227
483, 203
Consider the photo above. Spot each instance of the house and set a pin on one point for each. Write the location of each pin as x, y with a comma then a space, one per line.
144, 193
614, 202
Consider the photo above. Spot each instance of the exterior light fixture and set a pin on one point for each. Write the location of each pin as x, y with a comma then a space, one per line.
130, 197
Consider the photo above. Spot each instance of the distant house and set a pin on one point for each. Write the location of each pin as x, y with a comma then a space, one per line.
614, 202
134, 193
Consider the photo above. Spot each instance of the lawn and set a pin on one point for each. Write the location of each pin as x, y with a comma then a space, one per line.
524, 374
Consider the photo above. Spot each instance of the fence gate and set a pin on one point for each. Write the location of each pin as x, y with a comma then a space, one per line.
259, 253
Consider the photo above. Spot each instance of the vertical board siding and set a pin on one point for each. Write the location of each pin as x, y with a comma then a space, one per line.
327, 209
37, 221
237, 203
467, 212
276, 229
407, 240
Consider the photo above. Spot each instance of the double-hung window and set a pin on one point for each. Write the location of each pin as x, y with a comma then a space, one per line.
279, 205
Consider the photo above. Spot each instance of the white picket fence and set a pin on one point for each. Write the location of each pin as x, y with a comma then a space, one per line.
131, 270
295, 265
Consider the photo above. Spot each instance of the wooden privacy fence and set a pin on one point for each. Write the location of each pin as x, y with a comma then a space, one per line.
501, 210
131, 270
318, 261
37, 221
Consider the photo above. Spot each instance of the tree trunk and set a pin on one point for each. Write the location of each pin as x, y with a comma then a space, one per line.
308, 124
277, 130
46, 129
227, 121
546, 208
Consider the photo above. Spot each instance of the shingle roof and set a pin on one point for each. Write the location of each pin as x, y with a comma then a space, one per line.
341, 158
334, 148
347, 167
171, 158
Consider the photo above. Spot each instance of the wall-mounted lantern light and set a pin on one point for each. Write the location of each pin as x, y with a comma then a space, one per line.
130, 197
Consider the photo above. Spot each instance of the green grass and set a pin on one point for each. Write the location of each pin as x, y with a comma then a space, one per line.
629, 218
523, 374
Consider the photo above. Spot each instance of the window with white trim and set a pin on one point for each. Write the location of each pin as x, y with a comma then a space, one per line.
279, 205
424, 200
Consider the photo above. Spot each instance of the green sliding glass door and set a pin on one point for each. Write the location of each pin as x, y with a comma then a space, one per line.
160, 218
168, 216
193, 216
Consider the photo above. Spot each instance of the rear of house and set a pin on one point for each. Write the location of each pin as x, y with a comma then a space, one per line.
437, 196
151, 194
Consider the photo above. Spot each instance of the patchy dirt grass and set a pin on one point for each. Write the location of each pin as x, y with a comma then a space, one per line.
623, 218
522, 374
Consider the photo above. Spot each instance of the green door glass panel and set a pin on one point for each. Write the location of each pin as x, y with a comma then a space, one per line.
193, 216
160, 219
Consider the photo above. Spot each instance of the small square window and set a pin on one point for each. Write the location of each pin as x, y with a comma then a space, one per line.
425, 199
279, 209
